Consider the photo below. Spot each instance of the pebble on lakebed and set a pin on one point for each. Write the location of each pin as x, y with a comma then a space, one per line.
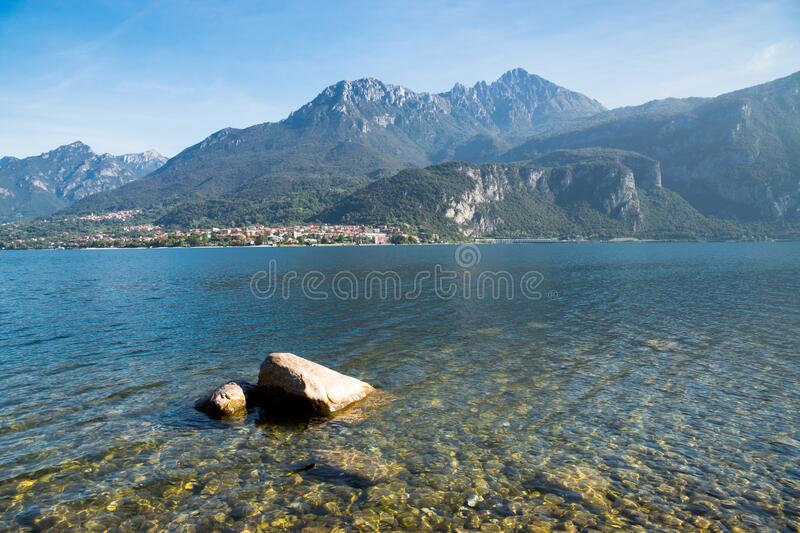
290, 384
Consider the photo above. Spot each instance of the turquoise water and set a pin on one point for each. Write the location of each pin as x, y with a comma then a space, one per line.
651, 386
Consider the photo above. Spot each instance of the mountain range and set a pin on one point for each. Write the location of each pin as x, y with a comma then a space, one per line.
41, 185
727, 167
350, 134
532, 158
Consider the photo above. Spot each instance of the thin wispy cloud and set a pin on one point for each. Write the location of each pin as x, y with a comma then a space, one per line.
86, 49
771, 56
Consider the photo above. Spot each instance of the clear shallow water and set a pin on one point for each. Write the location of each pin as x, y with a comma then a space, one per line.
652, 386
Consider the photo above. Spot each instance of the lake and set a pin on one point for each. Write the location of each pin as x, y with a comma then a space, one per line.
587, 386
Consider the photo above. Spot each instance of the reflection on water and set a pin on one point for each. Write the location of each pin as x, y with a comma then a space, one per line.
654, 386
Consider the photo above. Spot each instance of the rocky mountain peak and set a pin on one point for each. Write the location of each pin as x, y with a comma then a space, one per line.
517, 74
517, 102
365, 99
77, 145
362, 91
75, 149
147, 155
514, 104
142, 163
152, 154
521, 80
458, 88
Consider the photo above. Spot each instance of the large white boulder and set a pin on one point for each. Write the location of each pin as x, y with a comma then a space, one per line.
326, 390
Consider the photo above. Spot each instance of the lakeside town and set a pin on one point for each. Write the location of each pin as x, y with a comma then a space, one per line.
126, 229
121, 235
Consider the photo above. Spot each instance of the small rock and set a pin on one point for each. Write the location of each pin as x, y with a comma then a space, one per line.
325, 390
661, 345
473, 500
553, 499
702, 523
231, 399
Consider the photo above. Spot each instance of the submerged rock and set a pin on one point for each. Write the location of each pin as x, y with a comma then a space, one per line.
661, 345
348, 467
474, 500
231, 399
288, 379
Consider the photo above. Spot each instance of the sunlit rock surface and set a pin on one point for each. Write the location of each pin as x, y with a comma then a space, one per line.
325, 390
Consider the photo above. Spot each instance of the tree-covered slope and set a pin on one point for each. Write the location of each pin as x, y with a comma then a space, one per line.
580, 193
564, 193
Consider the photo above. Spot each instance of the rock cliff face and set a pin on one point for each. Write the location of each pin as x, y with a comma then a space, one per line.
490, 184
607, 187
40, 185
647, 171
602, 180
481, 199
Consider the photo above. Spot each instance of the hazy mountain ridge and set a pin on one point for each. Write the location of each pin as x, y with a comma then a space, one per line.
736, 155
40, 185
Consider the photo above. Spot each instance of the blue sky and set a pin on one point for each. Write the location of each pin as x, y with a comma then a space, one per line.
126, 76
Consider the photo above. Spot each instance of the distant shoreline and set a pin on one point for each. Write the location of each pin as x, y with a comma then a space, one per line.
498, 241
